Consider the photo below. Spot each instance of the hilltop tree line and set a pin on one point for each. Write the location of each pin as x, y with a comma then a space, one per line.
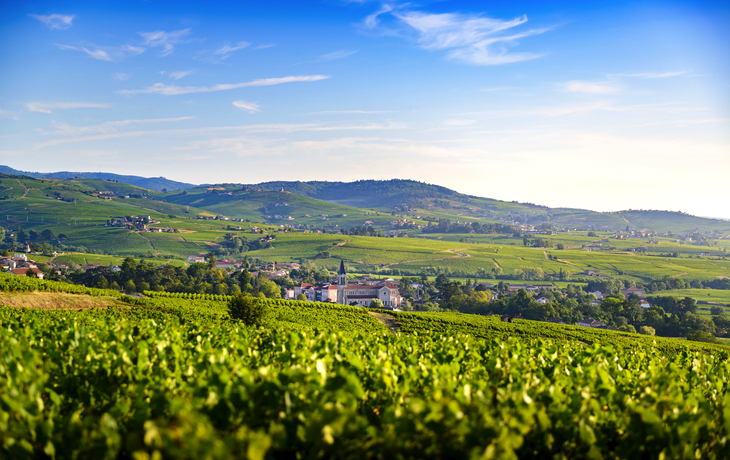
446, 226
198, 278
668, 316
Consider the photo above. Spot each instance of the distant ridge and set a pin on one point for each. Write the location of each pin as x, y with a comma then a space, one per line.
150, 183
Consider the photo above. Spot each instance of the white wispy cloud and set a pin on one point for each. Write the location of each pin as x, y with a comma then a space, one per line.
48, 107
590, 88
458, 122
173, 90
651, 74
56, 21
347, 111
250, 107
337, 55
122, 76
259, 128
106, 53
371, 21
224, 52
108, 127
261, 47
179, 74
470, 38
5, 113
164, 40
227, 49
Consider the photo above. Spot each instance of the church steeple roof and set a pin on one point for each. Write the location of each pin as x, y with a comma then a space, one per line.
342, 268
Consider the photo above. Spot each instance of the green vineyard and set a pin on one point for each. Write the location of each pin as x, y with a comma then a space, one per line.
173, 377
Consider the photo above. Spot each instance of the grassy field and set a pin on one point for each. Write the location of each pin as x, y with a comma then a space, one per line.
706, 295
56, 301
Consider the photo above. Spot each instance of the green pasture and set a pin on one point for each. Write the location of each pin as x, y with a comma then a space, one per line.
706, 295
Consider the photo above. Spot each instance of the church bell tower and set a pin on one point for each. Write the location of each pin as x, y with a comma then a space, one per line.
341, 283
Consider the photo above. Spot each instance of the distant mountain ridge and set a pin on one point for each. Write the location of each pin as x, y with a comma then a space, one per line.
402, 196
365, 193
150, 183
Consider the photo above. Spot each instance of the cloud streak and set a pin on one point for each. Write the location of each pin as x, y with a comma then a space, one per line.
472, 39
259, 128
651, 74
164, 40
337, 55
56, 21
227, 49
325, 112
109, 126
590, 88
109, 54
250, 107
179, 74
48, 107
173, 90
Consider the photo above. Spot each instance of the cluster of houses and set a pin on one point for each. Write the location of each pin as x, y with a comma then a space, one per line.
139, 223
201, 217
19, 264
626, 292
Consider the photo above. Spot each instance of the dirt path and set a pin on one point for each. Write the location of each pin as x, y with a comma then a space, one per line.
23, 185
150, 242
570, 263
547, 256
460, 254
679, 274
387, 320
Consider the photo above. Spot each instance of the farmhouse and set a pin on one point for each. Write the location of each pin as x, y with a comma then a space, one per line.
24, 271
590, 322
633, 290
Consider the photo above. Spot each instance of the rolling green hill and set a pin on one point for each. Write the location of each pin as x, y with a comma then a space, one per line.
417, 200
152, 183
75, 209
407, 198
277, 208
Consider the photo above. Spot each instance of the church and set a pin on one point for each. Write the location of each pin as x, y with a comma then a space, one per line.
362, 294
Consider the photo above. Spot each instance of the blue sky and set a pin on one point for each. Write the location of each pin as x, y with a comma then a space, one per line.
610, 106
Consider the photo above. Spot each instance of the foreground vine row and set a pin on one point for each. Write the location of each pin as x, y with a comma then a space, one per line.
143, 382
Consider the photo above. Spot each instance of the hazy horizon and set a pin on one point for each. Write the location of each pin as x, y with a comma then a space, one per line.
608, 106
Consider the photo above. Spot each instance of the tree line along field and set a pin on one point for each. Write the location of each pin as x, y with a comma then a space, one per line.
167, 377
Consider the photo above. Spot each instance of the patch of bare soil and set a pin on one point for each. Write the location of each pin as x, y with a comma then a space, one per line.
387, 320
55, 301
